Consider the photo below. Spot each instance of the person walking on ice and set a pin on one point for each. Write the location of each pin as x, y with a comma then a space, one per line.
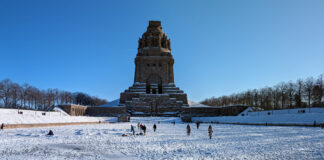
188, 130
133, 129
198, 124
144, 129
154, 127
210, 131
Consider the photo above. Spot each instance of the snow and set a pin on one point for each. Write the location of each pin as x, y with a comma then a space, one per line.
104, 141
113, 103
11, 116
195, 104
288, 116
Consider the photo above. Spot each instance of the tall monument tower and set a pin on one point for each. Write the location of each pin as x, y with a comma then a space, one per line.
153, 91
154, 62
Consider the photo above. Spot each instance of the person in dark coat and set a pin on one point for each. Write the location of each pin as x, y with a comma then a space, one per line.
50, 133
2, 126
198, 124
188, 130
139, 126
144, 129
154, 127
210, 131
133, 129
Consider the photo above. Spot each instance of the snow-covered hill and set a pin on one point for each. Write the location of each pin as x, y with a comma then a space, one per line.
11, 116
287, 116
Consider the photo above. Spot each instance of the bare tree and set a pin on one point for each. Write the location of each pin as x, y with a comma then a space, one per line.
318, 91
308, 88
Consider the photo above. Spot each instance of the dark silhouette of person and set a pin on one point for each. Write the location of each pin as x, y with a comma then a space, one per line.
210, 131
154, 127
144, 129
2, 126
50, 133
197, 124
133, 129
188, 130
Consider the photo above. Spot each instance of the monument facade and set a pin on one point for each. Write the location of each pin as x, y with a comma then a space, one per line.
153, 91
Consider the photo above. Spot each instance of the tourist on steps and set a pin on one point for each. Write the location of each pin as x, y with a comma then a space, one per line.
188, 130
210, 131
154, 127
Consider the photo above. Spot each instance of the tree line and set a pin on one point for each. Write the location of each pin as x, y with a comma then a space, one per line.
13, 95
302, 93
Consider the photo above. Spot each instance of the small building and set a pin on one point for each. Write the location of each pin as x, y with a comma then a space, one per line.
73, 109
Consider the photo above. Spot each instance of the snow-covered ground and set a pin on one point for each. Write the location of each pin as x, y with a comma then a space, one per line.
288, 116
11, 116
105, 141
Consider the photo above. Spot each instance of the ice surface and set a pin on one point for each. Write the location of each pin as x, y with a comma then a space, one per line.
105, 141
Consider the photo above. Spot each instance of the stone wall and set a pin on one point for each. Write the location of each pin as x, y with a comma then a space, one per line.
106, 111
74, 110
212, 111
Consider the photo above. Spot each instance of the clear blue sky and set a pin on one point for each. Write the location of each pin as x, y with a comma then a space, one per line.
220, 46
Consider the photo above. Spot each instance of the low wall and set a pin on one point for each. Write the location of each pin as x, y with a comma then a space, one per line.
212, 111
106, 111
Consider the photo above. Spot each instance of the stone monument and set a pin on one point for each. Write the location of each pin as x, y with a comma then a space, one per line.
154, 92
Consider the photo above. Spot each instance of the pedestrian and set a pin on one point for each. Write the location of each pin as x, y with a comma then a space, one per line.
50, 133
197, 124
173, 123
2, 126
188, 130
154, 127
144, 129
139, 125
210, 131
133, 129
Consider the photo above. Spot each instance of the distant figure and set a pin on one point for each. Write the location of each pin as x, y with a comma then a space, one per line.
2, 126
173, 123
144, 129
210, 131
314, 123
188, 130
133, 129
139, 125
154, 127
50, 133
197, 124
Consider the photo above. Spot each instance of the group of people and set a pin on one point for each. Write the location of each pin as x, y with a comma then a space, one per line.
141, 128
210, 130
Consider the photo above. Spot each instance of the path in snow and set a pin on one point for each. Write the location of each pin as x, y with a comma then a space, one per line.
104, 141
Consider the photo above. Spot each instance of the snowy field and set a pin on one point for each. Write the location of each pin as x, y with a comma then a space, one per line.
105, 141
